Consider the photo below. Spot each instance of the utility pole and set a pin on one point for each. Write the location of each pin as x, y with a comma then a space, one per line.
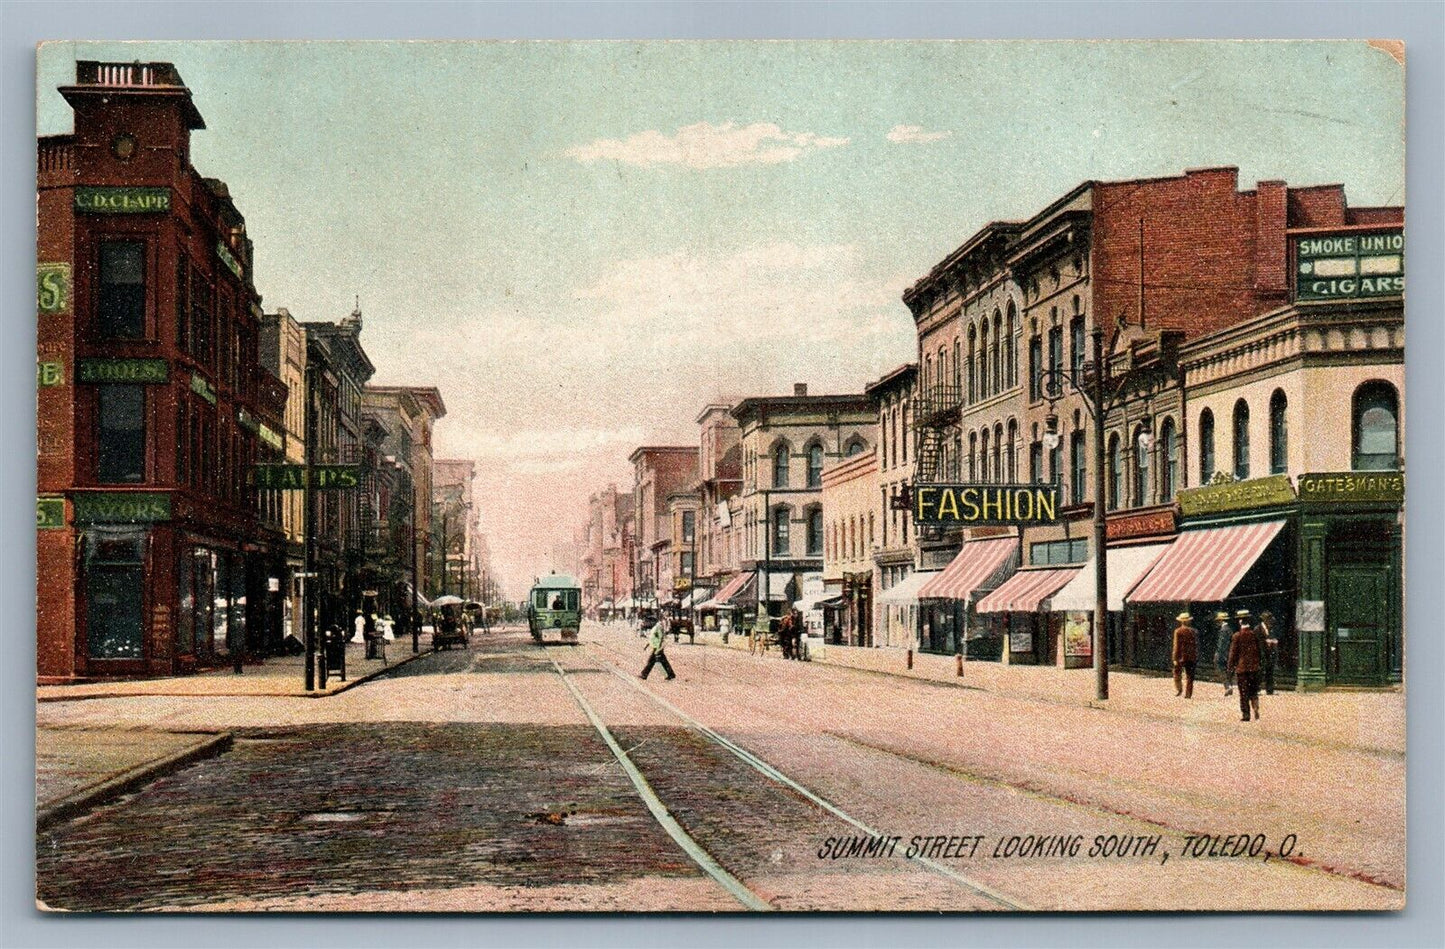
309, 504
1101, 548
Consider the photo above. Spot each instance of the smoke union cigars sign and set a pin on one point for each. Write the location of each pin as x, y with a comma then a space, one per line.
1339, 266
975, 505
123, 200
293, 477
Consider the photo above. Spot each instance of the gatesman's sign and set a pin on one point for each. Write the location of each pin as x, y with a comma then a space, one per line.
974, 505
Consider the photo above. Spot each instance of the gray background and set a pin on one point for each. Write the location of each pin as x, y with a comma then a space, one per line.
1421, 25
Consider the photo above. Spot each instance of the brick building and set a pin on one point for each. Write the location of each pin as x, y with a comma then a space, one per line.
659, 472
155, 556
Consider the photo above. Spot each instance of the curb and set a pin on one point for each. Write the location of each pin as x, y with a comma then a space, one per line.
296, 694
128, 780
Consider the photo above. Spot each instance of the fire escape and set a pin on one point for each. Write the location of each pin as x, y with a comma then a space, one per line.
937, 411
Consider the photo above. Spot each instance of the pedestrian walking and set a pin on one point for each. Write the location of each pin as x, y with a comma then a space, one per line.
799, 631
1185, 655
785, 636
1244, 661
358, 624
655, 654
1271, 649
1222, 636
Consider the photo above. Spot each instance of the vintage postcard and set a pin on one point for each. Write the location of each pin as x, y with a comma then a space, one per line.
720, 476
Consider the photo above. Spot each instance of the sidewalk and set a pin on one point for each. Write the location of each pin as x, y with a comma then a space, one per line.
275, 676
78, 768
1372, 721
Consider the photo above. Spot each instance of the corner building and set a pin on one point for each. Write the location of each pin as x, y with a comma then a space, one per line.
155, 557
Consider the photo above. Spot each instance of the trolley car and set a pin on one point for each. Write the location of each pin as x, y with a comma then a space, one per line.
555, 604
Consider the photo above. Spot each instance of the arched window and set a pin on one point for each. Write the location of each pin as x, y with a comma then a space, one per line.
927, 372
972, 372
1241, 440
1013, 453
998, 452
973, 456
957, 455
983, 381
1116, 472
1206, 446
815, 532
996, 368
1011, 346
1036, 368
1078, 473
781, 457
957, 368
1376, 427
1169, 458
1278, 433
983, 455
856, 446
815, 465
942, 368
781, 545
1141, 469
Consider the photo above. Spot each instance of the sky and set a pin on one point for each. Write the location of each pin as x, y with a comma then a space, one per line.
581, 244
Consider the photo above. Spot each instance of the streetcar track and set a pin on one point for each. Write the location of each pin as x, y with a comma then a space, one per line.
773, 774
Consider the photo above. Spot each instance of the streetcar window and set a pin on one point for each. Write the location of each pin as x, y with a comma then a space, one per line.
539, 599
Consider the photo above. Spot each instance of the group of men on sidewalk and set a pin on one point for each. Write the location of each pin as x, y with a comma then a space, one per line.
1247, 657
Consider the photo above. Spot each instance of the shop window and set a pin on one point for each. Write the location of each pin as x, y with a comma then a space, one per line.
815, 532
1071, 550
781, 545
1116, 472
221, 614
1278, 433
1169, 450
121, 297
1376, 438
114, 593
1078, 471
186, 601
780, 466
1241, 440
120, 434
1206, 446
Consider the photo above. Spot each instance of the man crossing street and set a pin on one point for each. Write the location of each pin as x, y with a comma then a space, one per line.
655, 654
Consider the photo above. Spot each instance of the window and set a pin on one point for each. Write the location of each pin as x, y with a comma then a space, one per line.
815, 466
956, 468
1141, 468
973, 456
815, 532
1072, 550
983, 381
121, 436
854, 448
781, 546
1056, 460
1169, 454
985, 472
1078, 474
1241, 440
1376, 427
1076, 349
1036, 368
1116, 472
1056, 359
121, 299
957, 365
780, 466
183, 302
689, 526
997, 453
996, 363
1013, 455
972, 369
201, 318
1011, 344
1036, 462
684, 564
1278, 433
114, 593
1206, 446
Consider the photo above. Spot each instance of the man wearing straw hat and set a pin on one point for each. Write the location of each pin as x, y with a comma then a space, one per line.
1222, 635
1245, 650
1186, 655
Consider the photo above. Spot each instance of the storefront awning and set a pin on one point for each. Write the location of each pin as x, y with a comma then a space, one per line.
905, 591
832, 603
1026, 591
1204, 566
979, 564
1126, 566
730, 591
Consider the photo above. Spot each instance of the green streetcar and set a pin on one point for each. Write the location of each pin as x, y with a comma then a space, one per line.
555, 603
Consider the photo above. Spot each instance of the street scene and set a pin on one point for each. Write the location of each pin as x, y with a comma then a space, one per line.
646, 477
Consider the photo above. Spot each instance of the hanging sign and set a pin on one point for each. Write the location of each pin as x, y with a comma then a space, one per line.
978, 504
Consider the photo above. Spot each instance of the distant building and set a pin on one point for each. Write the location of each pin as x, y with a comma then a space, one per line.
659, 472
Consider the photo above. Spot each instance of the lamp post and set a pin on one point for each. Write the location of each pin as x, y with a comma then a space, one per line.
1102, 392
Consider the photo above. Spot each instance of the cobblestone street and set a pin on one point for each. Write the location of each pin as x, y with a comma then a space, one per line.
479, 780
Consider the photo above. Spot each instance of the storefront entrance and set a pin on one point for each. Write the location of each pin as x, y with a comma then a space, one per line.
1356, 633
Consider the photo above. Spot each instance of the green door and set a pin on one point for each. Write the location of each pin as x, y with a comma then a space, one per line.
1357, 607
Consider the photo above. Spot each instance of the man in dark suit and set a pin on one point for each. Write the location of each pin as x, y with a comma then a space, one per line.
1245, 652
1185, 655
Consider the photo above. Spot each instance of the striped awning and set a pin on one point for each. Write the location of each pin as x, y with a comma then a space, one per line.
1025, 591
729, 591
978, 564
1204, 566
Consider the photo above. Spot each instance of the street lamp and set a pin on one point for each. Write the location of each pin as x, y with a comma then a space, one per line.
1102, 392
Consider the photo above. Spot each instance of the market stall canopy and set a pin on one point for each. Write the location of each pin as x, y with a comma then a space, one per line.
979, 564
1204, 566
1026, 591
905, 591
1126, 566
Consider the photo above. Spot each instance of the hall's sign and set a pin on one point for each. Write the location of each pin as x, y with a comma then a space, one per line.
1236, 496
1343, 487
121, 507
974, 505
123, 370
123, 200
293, 477
1348, 265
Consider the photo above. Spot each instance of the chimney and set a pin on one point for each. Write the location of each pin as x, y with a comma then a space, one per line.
800, 389
1271, 215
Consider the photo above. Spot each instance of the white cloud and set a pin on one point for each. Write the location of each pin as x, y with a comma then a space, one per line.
914, 134
704, 145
